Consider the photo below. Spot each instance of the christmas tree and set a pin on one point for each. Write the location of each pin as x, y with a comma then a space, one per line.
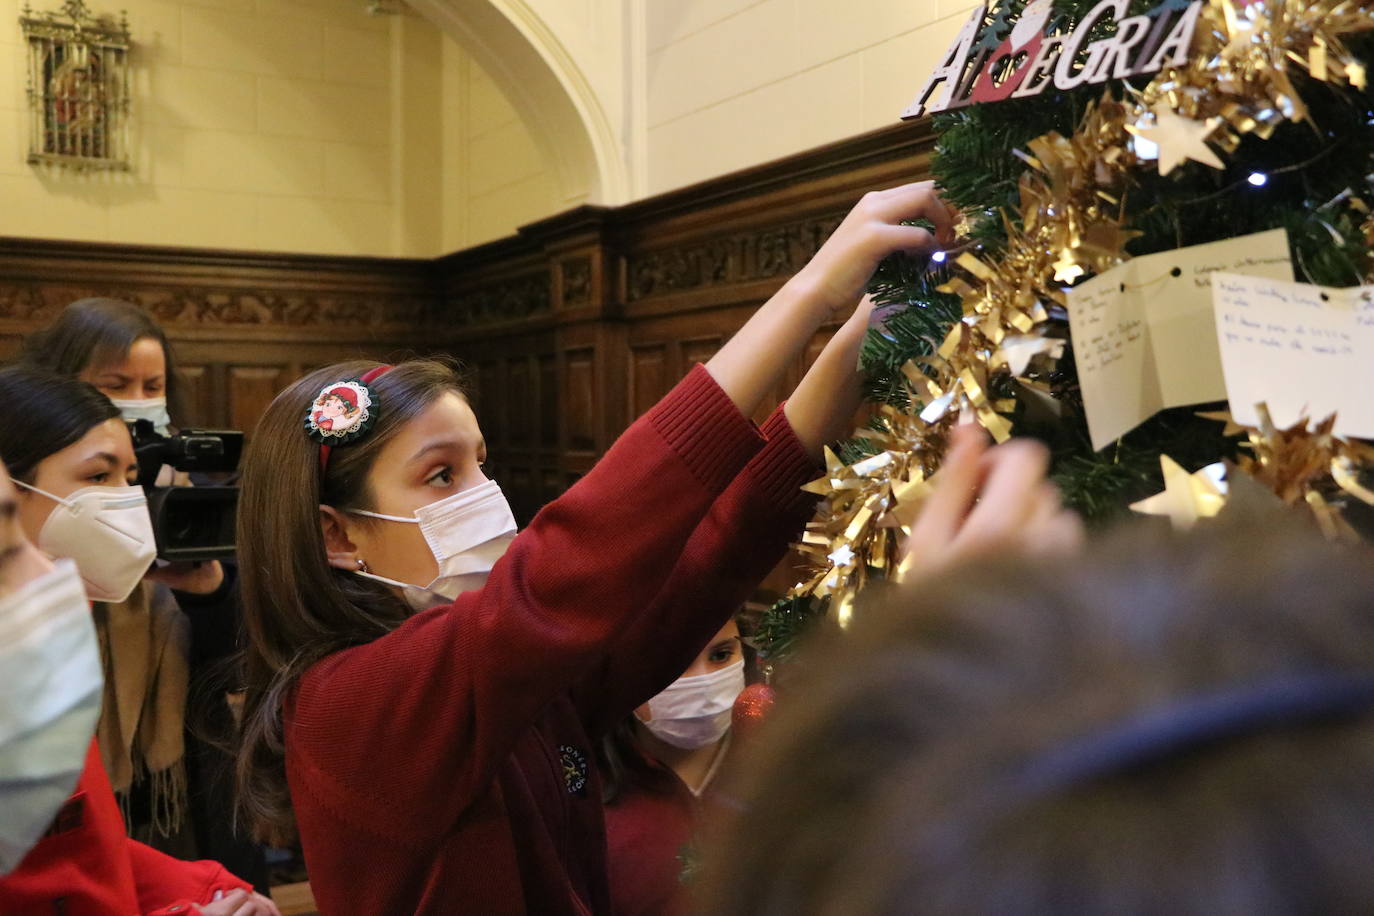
1060, 185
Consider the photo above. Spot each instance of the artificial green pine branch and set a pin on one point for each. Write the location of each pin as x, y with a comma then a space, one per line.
783, 624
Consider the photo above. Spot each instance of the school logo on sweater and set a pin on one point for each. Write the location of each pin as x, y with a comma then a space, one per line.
574, 768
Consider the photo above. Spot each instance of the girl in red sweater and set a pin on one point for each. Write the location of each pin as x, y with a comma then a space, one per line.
658, 766
72, 459
425, 687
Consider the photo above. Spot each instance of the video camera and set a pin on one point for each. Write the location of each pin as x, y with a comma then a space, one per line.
190, 523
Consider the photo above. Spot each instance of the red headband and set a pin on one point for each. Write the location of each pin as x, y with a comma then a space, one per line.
366, 378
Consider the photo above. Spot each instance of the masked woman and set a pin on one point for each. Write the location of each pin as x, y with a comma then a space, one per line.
72, 457
425, 685
157, 677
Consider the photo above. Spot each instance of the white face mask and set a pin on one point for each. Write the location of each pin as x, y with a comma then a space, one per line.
467, 533
48, 706
153, 410
109, 534
693, 712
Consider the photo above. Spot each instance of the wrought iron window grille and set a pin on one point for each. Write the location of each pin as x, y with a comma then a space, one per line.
78, 87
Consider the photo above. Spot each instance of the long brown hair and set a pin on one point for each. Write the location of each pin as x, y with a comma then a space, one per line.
297, 609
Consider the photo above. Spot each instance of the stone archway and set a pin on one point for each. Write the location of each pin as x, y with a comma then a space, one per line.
536, 72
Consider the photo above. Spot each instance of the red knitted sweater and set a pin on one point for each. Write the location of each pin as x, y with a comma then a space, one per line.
447, 767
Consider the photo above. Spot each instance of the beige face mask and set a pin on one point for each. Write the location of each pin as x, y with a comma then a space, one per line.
109, 534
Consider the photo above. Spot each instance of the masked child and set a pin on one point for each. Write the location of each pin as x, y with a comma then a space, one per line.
425, 684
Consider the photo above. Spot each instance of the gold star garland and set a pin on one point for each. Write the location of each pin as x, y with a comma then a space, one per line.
870, 504
1070, 222
1367, 230
1303, 464
1309, 466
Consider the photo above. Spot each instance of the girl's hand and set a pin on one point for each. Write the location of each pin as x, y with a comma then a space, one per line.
750, 364
989, 499
197, 578
239, 902
838, 273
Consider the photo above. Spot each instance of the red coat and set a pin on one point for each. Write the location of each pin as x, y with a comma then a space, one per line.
85, 865
447, 767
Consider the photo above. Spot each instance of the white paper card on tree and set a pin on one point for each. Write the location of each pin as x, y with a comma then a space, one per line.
1300, 349
1144, 337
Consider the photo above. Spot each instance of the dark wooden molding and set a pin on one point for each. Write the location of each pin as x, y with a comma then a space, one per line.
203, 290
763, 254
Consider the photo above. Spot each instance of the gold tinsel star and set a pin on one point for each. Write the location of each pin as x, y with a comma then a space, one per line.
1068, 268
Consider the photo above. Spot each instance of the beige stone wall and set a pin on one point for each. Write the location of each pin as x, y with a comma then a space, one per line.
283, 125
732, 83
308, 126
494, 178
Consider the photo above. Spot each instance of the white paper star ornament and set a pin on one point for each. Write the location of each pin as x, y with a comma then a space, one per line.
1177, 139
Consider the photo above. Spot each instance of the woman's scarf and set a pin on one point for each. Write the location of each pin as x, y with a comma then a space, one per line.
145, 643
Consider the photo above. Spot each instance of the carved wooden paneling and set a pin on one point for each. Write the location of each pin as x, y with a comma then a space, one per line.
728, 259
577, 281
356, 299
508, 299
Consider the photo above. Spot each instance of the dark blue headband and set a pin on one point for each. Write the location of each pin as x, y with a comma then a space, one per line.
1193, 723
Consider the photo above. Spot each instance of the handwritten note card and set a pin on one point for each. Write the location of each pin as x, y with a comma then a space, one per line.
1300, 349
1143, 333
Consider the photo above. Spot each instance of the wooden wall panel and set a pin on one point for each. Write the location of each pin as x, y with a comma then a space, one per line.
522, 402
196, 390
699, 350
507, 374
488, 392
648, 376
579, 400
550, 408
251, 389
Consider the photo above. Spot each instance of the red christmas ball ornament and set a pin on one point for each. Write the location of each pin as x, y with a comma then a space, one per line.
751, 708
